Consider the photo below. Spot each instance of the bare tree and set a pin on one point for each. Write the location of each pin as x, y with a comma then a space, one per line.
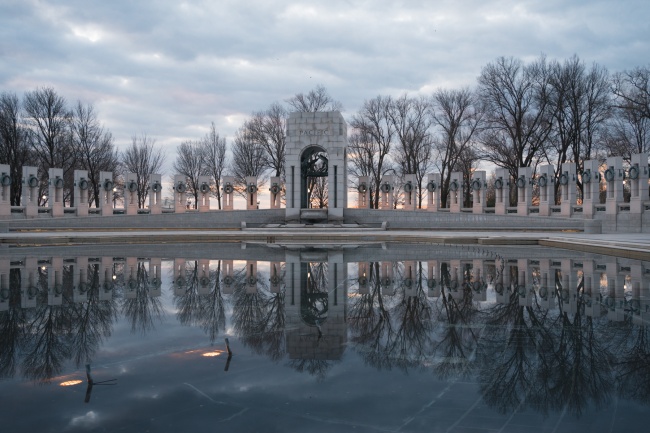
189, 162
14, 149
457, 119
369, 148
214, 157
515, 97
632, 89
268, 129
411, 121
142, 159
94, 147
50, 138
248, 159
317, 99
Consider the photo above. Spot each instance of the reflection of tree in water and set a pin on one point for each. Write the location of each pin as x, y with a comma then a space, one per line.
92, 321
204, 310
634, 367
142, 310
369, 322
259, 317
12, 327
413, 324
460, 332
315, 367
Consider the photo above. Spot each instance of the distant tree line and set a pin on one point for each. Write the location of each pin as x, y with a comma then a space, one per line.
517, 115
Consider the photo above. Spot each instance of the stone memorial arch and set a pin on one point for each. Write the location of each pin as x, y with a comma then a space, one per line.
316, 150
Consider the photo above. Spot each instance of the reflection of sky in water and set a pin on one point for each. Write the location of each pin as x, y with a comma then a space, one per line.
424, 384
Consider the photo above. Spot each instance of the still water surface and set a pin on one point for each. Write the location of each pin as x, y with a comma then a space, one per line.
365, 338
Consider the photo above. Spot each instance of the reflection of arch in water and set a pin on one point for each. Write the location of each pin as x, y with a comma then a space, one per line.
314, 166
314, 298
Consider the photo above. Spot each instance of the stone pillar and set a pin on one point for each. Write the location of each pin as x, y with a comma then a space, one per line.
5, 191
80, 192
363, 276
251, 192
524, 186
410, 192
546, 183
387, 278
478, 191
106, 281
275, 279
180, 283
456, 192
80, 285
567, 181
276, 192
228, 192
638, 175
363, 192
155, 194
433, 192
155, 281
180, 194
106, 193
228, 279
386, 192
590, 187
251, 276
501, 191
131, 194
203, 274
433, 285
29, 283
29, 198
204, 193
614, 176
55, 191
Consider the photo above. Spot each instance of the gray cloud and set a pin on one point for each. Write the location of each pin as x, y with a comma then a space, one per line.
169, 68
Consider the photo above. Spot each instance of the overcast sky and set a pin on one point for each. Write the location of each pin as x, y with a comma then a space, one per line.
169, 68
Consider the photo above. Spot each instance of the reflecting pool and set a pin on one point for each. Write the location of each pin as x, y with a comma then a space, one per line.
364, 338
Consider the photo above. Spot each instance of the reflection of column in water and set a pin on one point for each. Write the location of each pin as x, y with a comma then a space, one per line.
615, 300
203, 273
228, 278
106, 281
636, 278
433, 283
275, 279
479, 284
5, 292
180, 283
131, 278
55, 281
408, 280
502, 284
644, 295
29, 283
387, 278
525, 283
546, 293
155, 282
363, 276
251, 276
79, 280
455, 288
591, 289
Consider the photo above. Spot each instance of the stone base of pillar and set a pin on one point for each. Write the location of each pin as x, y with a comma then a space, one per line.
132, 209
82, 210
